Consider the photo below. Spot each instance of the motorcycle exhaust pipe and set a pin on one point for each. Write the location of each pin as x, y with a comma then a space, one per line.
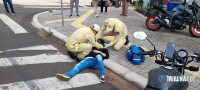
162, 22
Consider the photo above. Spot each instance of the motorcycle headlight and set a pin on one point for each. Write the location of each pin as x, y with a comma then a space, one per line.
182, 53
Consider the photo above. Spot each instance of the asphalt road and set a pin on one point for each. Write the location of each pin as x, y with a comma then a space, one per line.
18, 50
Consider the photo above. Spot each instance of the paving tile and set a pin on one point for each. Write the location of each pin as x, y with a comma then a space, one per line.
196, 82
134, 67
192, 88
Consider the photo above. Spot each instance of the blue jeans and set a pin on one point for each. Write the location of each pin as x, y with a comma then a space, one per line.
6, 6
92, 63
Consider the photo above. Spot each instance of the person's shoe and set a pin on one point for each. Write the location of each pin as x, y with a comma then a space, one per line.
77, 15
105, 12
96, 16
13, 13
7, 13
62, 77
70, 15
102, 79
123, 14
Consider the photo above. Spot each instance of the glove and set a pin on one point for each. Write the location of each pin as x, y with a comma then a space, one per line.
106, 45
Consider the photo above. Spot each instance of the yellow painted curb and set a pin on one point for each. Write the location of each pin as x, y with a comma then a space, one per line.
78, 22
59, 20
193, 73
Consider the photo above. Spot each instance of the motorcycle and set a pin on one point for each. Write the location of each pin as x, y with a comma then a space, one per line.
173, 64
175, 19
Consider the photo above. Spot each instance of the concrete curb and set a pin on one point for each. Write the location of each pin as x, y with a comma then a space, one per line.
126, 73
122, 71
37, 24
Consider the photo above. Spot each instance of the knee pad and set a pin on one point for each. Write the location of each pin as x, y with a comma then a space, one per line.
116, 47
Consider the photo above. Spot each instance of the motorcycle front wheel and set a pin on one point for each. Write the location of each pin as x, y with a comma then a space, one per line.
193, 30
152, 24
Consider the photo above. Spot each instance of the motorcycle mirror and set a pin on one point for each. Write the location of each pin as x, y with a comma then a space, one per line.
140, 35
192, 68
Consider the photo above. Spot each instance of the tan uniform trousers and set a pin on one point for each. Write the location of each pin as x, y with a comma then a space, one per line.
124, 7
81, 50
120, 43
95, 5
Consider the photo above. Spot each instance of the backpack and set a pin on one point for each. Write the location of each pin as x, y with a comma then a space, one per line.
133, 56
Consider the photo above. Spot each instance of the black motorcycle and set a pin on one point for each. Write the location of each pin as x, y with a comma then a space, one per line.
175, 19
173, 67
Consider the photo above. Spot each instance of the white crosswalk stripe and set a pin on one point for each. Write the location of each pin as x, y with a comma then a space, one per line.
48, 83
83, 79
39, 47
37, 59
52, 83
4, 62
41, 58
17, 29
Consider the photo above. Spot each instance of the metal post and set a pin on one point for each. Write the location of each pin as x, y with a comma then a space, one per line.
184, 3
62, 12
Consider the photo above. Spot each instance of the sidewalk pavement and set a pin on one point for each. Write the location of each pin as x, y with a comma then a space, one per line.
136, 74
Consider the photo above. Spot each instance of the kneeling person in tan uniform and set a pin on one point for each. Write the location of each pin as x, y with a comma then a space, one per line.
82, 40
115, 28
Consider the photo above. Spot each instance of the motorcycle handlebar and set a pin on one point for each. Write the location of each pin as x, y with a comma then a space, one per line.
150, 53
191, 68
144, 53
196, 56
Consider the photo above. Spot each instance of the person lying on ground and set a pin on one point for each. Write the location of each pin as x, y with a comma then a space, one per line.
93, 60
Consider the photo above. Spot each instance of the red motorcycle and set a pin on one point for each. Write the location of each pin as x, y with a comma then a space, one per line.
175, 19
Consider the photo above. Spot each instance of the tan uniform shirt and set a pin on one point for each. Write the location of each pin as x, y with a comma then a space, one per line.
119, 30
83, 35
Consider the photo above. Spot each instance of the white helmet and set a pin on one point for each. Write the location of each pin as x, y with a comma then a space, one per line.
96, 27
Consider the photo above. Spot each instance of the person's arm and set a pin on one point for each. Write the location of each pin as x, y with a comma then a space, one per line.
91, 39
97, 51
103, 52
100, 34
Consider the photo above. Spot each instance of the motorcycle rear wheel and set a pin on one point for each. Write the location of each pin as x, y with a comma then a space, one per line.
150, 25
193, 31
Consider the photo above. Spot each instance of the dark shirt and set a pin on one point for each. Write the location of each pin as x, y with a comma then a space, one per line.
105, 51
